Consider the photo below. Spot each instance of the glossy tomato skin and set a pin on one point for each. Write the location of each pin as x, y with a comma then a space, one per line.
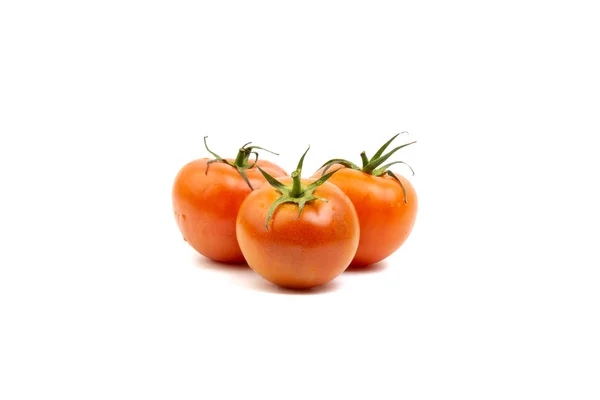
385, 220
298, 253
206, 205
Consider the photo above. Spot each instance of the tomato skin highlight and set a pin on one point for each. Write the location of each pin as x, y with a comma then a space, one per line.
298, 253
385, 219
206, 205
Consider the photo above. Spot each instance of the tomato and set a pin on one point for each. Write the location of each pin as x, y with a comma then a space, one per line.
207, 195
298, 233
385, 202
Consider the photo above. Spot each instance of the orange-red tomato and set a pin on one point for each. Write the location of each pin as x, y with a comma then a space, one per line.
303, 250
386, 220
206, 205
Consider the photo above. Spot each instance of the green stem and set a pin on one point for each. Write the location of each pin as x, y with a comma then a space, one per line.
242, 158
374, 165
364, 158
296, 185
296, 193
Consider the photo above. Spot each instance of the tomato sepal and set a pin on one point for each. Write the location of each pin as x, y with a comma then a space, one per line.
373, 165
382, 170
241, 160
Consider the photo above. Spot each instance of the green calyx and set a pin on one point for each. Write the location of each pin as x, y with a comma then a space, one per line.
241, 160
296, 192
373, 165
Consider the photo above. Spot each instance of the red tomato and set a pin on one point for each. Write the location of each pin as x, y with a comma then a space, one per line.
385, 202
298, 233
206, 200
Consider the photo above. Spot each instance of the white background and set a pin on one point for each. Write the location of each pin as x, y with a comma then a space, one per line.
494, 296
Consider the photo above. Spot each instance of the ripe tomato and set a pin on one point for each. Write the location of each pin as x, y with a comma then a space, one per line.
207, 195
298, 233
386, 203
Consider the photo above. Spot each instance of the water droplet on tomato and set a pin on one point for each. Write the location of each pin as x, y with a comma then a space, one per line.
183, 217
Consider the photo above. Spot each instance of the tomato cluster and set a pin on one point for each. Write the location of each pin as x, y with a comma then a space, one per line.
297, 233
